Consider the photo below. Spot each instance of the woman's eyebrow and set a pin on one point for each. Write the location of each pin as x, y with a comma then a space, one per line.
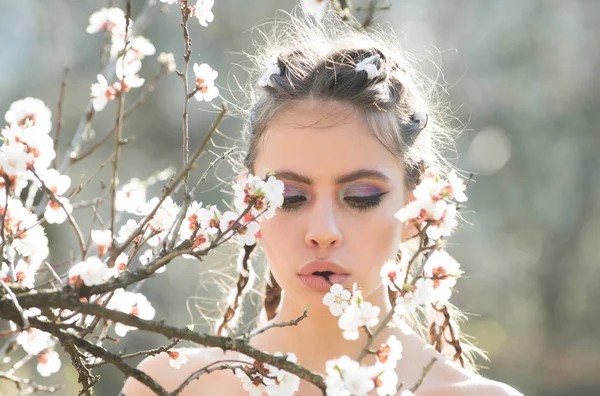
352, 176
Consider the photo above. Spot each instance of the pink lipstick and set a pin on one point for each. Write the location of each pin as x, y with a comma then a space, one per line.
319, 275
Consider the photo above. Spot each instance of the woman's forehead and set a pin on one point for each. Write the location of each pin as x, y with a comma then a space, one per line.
304, 140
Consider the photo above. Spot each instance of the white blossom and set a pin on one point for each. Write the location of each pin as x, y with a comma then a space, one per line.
316, 8
142, 47
337, 299
276, 382
446, 225
345, 377
126, 69
457, 187
127, 230
177, 358
55, 182
55, 213
34, 341
252, 189
14, 161
107, 19
388, 354
192, 220
424, 293
102, 239
210, 219
25, 274
131, 196
406, 304
38, 146
274, 194
92, 271
48, 363
387, 383
203, 11
101, 93
357, 316
205, 82
30, 111
164, 216
444, 270
281, 382
167, 60
247, 234
120, 266
392, 275
145, 259
253, 389
130, 303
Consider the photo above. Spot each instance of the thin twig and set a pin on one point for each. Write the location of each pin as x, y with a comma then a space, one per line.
70, 217
150, 352
169, 188
53, 272
59, 116
119, 123
282, 324
24, 321
426, 369
80, 187
24, 381
141, 99
207, 370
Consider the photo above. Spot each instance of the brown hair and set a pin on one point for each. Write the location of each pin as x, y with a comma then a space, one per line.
317, 61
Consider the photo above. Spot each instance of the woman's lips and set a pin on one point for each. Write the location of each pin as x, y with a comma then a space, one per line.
319, 283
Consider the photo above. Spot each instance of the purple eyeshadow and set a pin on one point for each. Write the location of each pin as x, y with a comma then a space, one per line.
290, 192
362, 190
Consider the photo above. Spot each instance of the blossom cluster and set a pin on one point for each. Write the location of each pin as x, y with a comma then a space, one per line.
346, 376
433, 204
433, 208
205, 76
258, 378
127, 50
26, 157
202, 10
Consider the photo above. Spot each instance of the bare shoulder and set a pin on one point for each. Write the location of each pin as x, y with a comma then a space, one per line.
483, 386
450, 379
475, 386
160, 369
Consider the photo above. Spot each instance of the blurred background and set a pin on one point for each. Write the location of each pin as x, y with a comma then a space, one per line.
522, 79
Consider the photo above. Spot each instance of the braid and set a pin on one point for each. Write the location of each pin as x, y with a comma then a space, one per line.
272, 297
232, 313
444, 333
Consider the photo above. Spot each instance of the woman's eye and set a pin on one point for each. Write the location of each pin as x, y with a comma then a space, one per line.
292, 203
364, 203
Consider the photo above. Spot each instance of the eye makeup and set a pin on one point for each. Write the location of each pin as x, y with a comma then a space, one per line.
361, 197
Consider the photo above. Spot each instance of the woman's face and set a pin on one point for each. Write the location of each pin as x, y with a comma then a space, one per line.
342, 189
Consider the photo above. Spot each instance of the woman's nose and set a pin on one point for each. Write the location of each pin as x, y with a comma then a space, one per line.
323, 230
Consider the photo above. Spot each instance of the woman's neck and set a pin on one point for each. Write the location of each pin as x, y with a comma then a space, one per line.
318, 338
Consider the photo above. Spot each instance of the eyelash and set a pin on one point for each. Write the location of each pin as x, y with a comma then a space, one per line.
365, 203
